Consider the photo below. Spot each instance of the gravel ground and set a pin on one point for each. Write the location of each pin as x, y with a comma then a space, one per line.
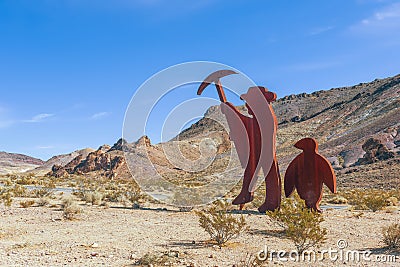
117, 236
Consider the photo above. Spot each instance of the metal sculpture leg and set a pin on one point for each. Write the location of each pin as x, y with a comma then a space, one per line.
273, 190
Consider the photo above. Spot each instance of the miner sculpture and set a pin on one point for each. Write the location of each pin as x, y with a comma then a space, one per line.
254, 136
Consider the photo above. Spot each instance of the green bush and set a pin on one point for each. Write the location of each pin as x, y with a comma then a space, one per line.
219, 224
300, 224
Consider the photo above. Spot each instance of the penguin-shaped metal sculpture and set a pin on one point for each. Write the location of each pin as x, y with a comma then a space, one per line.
307, 172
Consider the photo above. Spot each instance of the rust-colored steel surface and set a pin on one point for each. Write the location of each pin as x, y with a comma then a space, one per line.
254, 137
308, 172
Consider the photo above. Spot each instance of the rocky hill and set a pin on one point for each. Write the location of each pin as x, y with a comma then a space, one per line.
14, 163
61, 160
357, 128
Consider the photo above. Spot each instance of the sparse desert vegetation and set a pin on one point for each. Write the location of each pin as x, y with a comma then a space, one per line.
219, 223
300, 225
197, 237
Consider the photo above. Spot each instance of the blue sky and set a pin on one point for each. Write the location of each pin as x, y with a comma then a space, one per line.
68, 68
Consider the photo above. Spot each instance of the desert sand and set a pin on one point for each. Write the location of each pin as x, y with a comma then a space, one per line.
118, 236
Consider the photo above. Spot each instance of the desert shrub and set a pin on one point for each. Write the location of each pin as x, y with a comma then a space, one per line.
70, 209
370, 199
112, 196
248, 260
26, 203
67, 201
375, 202
7, 182
221, 225
126, 197
392, 201
42, 192
19, 191
337, 200
301, 225
28, 179
94, 197
157, 258
6, 197
43, 201
391, 236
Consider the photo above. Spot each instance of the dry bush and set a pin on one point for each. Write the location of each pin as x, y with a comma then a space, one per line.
70, 209
28, 179
374, 201
97, 197
94, 197
19, 191
248, 261
43, 201
42, 192
392, 201
219, 223
26, 203
301, 225
391, 236
337, 200
6, 197
158, 258
370, 199
126, 197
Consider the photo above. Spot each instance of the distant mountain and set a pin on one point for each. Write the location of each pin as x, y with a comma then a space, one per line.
14, 163
357, 128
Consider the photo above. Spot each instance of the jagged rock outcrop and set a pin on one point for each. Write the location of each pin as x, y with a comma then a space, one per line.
143, 141
95, 161
104, 148
58, 171
108, 161
374, 151
119, 145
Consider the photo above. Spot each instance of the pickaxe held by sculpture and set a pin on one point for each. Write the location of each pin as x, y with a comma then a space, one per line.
214, 78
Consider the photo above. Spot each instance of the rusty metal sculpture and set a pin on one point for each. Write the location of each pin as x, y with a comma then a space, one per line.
254, 137
308, 172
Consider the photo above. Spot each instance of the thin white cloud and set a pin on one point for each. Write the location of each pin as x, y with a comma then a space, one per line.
383, 21
320, 30
99, 115
39, 117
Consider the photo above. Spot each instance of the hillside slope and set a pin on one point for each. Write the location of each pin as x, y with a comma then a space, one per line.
14, 163
357, 128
